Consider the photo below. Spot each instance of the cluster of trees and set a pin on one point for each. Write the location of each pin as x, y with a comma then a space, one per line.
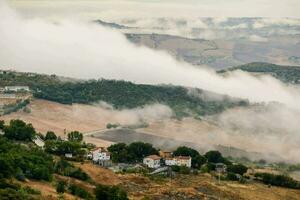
278, 180
120, 94
22, 162
288, 74
65, 168
104, 192
101, 192
74, 145
18, 130
134, 152
14, 191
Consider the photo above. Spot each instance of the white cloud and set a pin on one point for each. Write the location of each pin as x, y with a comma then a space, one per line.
90, 51
167, 8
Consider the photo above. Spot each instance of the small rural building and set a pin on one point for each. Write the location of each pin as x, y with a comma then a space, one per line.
68, 155
170, 161
38, 141
179, 161
101, 156
16, 88
221, 168
152, 161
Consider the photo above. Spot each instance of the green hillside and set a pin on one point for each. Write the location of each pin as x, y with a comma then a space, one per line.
121, 94
287, 74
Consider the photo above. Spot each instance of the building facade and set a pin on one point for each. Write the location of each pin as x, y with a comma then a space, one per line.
179, 161
16, 88
152, 161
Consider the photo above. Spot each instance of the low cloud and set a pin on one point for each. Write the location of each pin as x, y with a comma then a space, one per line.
269, 129
91, 51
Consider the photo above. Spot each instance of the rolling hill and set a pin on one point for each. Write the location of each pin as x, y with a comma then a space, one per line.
287, 74
121, 94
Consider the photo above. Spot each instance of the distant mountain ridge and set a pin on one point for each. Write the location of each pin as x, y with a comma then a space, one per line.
254, 45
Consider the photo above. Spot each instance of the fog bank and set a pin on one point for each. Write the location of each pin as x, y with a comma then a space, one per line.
83, 50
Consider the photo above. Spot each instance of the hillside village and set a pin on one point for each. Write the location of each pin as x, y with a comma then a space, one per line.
72, 157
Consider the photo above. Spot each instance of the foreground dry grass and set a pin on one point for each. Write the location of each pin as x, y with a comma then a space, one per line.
180, 187
202, 186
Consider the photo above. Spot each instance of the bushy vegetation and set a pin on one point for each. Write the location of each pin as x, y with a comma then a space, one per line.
59, 147
104, 192
10, 190
237, 169
278, 180
9, 108
120, 94
50, 135
75, 136
216, 157
19, 130
80, 192
288, 74
20, 161
65, 168
135, 152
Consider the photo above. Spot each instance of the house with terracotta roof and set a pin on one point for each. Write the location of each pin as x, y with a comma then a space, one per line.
152, 161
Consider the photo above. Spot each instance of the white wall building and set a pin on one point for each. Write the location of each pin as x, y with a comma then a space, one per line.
170, 161
100, 154
152, 161
16, 88
179, 161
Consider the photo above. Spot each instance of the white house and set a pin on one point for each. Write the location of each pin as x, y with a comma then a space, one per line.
68, 155
38, 141
179, 161
170, 161
16, 88
152, 161
100, 154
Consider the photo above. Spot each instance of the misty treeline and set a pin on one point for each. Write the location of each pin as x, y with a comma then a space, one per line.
120, 94
20, 159
287, 74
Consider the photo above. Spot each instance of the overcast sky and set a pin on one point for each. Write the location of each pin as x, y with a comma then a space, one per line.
110, 9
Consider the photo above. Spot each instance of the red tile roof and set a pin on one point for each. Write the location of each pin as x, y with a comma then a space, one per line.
154, 157
183, 157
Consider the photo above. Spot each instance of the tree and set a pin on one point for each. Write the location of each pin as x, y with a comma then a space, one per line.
237, 169
104, 192
19, 130
50, 135
75, 136
60, 187
139, 150
2, 124
119, 153
216, 157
